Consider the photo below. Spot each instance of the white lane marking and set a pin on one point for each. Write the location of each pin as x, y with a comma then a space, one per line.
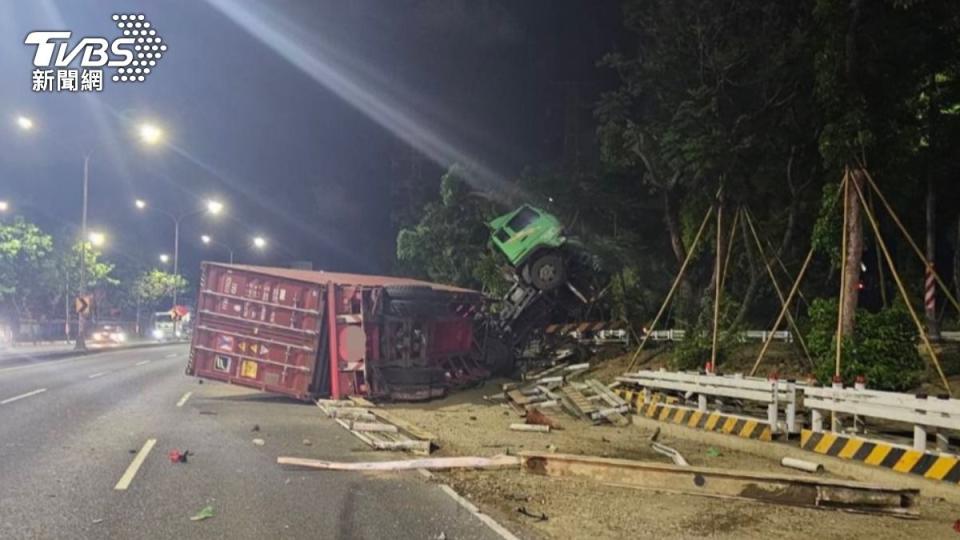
135, 465
21, 396
95, 375
143, 362
184, 399
173, 355
487, 520
65, 360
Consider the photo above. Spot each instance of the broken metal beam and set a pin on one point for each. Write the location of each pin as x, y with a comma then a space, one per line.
802, 491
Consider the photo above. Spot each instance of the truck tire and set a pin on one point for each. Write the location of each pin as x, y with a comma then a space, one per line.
547, 272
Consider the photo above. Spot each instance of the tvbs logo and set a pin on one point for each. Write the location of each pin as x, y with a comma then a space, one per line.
62, 66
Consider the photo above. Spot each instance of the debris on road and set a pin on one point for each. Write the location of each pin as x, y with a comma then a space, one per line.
259, 442
496, 462
713, 452
255, 428
97, 521
805, 491
176, 456
801, 464
307, 442
671, 453
538, 428
539, 517
206, 513
377, 428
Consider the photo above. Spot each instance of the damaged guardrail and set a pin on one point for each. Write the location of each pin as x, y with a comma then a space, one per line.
713, 392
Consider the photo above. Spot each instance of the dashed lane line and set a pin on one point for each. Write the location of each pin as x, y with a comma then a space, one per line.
172, 355
21, 396
98, 374
142, 362
135, 465
184, 399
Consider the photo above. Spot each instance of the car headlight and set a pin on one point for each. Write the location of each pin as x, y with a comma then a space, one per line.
157, 333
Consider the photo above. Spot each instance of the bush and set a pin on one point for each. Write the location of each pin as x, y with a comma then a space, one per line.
883, 347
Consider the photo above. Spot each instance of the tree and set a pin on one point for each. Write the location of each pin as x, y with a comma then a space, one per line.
448, 244
23, 250
153, 286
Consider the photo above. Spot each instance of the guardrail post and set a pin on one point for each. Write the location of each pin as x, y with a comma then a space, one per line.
774, 406
816, 421
943, 442
919, 438
701, 402
792, 408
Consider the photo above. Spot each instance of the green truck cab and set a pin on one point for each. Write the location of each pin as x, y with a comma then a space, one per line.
532, 241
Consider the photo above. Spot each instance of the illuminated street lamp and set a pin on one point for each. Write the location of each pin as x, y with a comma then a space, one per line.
140, 204
97, 238
259, 242
214, 207
164, 258
24, 123
208, 240
150, 133
4, 206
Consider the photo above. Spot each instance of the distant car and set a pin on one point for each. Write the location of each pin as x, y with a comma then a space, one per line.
107, 334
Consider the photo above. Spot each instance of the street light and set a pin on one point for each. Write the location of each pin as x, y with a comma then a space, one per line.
96, 238
24, 123
212, 207
150, 133
164, 258
207, 240
4, 206
259, 242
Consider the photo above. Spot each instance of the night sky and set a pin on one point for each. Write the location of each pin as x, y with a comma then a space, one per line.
299, 115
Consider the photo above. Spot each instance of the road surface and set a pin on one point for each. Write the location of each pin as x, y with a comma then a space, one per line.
73, 431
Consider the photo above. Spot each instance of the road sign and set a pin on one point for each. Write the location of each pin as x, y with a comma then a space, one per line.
81, 304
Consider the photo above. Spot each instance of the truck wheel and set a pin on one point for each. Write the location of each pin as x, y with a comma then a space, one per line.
546, 272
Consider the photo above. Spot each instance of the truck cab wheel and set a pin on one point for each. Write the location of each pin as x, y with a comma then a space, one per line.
547, 272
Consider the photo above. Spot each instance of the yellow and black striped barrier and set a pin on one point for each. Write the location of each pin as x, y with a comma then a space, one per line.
929, 465
747, 428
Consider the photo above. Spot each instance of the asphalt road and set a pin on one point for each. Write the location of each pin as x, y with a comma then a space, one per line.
70, 430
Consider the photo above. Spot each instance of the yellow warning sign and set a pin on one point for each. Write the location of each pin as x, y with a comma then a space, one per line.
242, 346
248, 369
253, 348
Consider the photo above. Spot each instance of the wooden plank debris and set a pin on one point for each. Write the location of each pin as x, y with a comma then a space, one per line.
791, 490
377, 428
495, 462
540, 428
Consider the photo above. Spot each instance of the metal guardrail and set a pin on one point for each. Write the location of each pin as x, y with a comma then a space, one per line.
926, 414
748, 335
774, 394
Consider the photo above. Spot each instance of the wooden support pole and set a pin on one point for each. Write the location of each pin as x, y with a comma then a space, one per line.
903, 292
748, 219
843, 273
443, 463
673, 288
916, 248
718, 270
790, 295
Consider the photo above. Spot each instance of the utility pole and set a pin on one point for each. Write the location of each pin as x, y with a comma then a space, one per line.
930, 283
81, 342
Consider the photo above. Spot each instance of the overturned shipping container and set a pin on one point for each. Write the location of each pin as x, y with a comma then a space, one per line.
311, 334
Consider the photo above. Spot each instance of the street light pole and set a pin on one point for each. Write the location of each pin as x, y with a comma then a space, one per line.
81, 341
